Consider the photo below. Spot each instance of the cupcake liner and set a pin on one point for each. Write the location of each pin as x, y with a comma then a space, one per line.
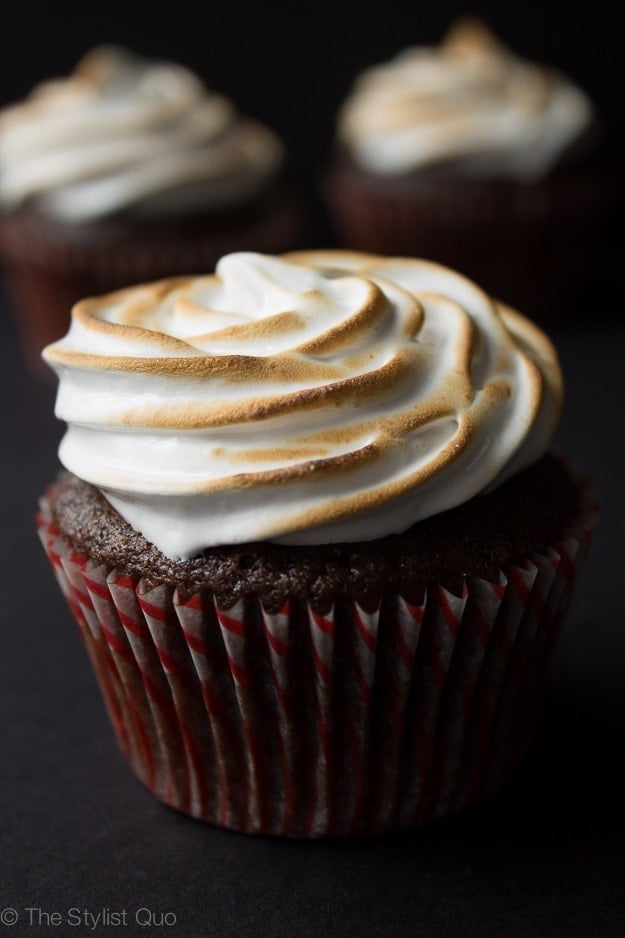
296, 723
530, 245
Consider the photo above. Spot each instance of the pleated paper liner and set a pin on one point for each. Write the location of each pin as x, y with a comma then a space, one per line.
306, 725
532, 245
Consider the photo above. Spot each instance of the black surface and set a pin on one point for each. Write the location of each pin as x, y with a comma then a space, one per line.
546, 856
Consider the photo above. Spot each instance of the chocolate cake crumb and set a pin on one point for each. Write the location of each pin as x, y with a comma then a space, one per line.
515, 521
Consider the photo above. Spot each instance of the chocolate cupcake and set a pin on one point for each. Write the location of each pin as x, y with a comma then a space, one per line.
474, 157
129, 170
312, 536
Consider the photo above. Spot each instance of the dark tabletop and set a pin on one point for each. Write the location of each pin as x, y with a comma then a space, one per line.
80, 837
81, 842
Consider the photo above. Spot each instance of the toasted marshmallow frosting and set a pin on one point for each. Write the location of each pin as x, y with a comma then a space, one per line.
127, 134
469, 104
316, 397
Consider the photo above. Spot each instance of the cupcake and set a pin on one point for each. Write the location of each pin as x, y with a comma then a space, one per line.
129, 170
313, 536
470, 155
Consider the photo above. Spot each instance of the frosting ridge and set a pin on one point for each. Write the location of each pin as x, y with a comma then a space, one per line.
314, 397
128, 134
469, 103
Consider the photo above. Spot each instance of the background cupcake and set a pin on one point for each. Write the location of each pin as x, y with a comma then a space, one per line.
470, 155
129, 170
311, 536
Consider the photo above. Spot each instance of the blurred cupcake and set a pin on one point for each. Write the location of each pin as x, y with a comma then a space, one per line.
469, 155
312, 536
126, 171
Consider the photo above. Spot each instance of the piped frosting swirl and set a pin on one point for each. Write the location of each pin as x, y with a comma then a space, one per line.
469, 104
125, 134
316, 397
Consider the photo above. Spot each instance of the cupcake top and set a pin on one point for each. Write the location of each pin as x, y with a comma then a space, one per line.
125, 134
321, 396
469, 105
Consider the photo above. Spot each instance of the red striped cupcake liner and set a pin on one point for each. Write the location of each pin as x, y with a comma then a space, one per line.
297, 724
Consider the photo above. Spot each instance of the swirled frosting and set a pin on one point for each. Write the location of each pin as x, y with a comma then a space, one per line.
132, 135
316, 397
469, 104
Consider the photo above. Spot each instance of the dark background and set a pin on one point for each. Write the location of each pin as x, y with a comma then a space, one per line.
292, 64
545, 857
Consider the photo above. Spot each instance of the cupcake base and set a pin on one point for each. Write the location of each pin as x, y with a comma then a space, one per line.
301, 722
